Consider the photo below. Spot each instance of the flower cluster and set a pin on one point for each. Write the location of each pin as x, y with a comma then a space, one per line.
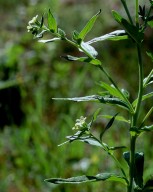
80, 123
33, 25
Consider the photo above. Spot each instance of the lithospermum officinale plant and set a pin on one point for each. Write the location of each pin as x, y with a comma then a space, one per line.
133, 29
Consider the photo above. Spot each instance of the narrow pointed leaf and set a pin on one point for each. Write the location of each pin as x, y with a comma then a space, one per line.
113, 36
97, 98
82, 59
108, 126
111, 89
86, 178
52, 24
147, 96
88, 26
132, 30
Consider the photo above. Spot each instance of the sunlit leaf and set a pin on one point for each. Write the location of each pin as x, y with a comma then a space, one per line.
111, 89
113, 36
86, 178
88, 26
52, 24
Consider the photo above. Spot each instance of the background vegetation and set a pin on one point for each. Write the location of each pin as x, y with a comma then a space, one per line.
31, 124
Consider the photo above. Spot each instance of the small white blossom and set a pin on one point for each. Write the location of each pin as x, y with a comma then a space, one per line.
33, 20
31, 23
79, 123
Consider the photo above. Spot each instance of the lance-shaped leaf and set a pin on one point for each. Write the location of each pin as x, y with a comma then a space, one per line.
111, 89
108, 126
88, 26
49, 40
132, 30
82, 59
52, 24
150, 55
97, 98
86, 178
144, 97
113, 36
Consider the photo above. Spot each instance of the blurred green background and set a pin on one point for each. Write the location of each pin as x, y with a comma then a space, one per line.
31, 73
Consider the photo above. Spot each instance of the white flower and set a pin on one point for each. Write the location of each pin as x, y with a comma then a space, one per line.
33, 20
80, 123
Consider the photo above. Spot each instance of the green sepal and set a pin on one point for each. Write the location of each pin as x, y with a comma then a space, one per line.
86, 178
82, 59
88, 26
132, 30
52, 24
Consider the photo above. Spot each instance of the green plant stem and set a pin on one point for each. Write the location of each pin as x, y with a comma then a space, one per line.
137, 12
132, 162
140, 93
127, 10
111, 80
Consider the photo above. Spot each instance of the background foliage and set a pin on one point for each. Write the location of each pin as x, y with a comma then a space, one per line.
32, 125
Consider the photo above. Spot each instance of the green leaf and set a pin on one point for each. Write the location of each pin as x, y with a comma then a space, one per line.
88, 26
83, 59
113, 36
88, 49
108, 126
148, 80
85, 179
132, 30
111, 89
49, 40
147, 96
118, 118
52, 24
97, 98
96, 113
